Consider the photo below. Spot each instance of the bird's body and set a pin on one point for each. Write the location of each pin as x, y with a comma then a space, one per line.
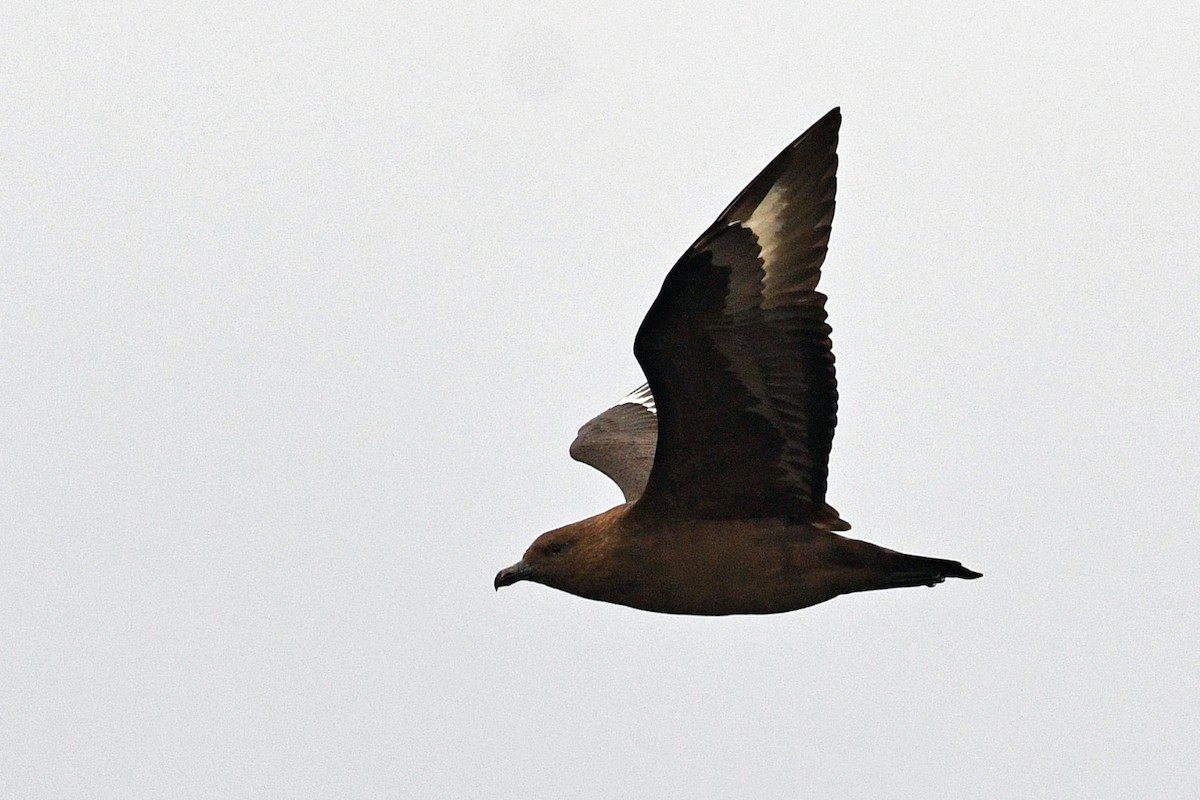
716, 567
723, 456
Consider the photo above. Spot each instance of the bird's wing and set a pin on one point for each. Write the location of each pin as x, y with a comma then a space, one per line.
620, 442
737, 352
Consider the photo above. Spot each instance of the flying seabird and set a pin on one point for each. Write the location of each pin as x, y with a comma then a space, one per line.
723, 455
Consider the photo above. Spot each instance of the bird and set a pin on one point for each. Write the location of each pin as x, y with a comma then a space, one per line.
723, 455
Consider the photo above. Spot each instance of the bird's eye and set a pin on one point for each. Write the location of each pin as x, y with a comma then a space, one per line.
555, 548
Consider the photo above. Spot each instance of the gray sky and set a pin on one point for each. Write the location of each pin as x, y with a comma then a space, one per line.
301, 308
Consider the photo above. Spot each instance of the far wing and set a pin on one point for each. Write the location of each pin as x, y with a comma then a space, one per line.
621, 441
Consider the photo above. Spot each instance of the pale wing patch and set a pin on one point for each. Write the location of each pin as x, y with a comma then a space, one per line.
767, 224
642, 397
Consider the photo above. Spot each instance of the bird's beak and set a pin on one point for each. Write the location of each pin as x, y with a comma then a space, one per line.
509, 575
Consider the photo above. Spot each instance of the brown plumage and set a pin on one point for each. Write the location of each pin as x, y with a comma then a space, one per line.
723, 456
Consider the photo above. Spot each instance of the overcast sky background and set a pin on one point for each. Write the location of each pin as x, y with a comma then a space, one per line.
301, 306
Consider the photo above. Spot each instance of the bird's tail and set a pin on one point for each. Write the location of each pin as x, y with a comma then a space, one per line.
906, 570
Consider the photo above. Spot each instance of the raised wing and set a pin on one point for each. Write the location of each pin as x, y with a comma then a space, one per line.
620, 442
736, 351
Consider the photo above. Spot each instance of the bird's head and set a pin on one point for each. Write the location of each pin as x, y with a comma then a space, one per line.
569, 558
552, 559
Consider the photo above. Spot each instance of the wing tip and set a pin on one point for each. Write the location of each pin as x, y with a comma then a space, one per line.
828, 125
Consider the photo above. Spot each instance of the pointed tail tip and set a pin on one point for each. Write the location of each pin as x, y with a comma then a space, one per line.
966, 574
